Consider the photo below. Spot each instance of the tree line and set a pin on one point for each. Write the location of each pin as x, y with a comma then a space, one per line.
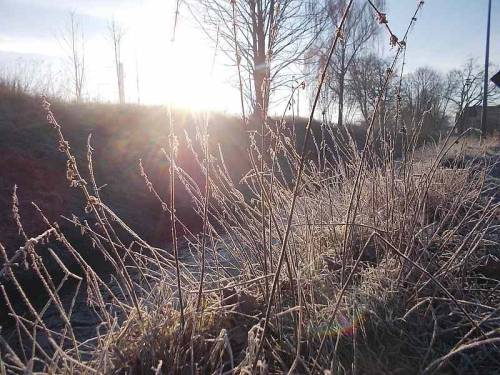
278, 47
69, 80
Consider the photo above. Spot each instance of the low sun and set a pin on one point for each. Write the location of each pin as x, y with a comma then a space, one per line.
188, 73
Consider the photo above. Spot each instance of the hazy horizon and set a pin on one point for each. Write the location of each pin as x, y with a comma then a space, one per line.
446, 34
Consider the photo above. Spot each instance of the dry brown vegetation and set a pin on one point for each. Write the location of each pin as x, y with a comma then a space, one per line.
409, 284
340, 257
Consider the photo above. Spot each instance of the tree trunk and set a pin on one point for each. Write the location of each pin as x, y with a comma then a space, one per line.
260, 68
340, 121
381, 115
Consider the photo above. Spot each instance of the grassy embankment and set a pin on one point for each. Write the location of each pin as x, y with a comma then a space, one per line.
391, 266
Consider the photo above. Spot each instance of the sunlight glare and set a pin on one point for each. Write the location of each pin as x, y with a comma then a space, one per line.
179, 73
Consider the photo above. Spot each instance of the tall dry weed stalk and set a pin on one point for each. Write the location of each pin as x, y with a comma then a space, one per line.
346, 261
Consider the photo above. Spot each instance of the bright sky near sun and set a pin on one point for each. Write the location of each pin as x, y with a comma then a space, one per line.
446, 34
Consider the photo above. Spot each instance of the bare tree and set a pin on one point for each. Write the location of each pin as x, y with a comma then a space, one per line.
365, 83
137, 82
32, 76
423, 99
263, 38
74, 41
360, 30
465, 86
22, 76
116, 34
464, 89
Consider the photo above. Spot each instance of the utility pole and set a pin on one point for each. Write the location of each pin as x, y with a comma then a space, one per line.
484, 117
298, 102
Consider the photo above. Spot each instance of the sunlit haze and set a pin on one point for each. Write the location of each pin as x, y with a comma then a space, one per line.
190, 72
249, 187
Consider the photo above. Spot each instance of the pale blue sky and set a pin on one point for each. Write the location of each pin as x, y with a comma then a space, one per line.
448, 31
446, 34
